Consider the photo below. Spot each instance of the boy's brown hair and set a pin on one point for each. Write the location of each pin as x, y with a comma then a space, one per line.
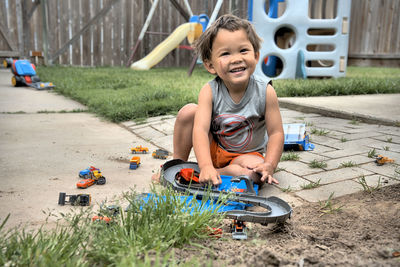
203, 45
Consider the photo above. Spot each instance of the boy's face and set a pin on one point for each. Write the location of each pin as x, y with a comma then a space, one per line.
232, 58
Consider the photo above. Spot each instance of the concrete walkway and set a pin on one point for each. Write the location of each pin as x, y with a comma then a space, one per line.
44, 143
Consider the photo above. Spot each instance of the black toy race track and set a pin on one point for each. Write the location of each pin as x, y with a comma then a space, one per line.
276, 209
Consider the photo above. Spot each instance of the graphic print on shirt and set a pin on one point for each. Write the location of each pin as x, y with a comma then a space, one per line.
234, 132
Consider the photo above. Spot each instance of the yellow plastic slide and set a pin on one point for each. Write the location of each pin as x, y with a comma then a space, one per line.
191, 30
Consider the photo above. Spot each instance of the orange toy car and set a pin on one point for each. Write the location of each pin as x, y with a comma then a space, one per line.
380, 160
93, 175
85, 183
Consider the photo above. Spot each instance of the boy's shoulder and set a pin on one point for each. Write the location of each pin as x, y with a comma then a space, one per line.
261, 80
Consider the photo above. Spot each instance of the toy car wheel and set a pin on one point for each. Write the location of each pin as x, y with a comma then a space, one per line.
101, 180
16, 81
61, 199
35, 79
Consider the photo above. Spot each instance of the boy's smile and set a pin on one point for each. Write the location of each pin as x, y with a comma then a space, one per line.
232, 58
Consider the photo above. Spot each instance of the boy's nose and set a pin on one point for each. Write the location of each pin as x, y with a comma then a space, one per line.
236, 58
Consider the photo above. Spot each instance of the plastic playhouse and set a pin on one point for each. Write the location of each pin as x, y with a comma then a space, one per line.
25, 74
298, 45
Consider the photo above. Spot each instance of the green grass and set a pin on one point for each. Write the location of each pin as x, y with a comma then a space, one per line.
319, 132
347, 164
290, 156
121, 94
372, 153
367, 188
328, 207
317, 164
142, 236
311, 185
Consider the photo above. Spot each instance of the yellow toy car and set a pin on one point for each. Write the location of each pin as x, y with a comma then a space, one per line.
139, 150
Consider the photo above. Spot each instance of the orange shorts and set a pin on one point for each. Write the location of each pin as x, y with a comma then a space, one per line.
222, 158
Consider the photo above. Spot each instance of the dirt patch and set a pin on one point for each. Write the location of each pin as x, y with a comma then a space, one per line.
365, 232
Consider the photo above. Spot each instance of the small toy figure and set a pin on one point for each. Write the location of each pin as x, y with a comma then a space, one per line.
238, 229
139, 149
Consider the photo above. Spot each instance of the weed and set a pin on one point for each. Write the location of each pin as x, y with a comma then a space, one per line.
347, 164
286, 190
317, 164
290, 156
328, 207
386, 148
367, 188
320, 132
389, 139
309, 124
15, 112
300, 118
354, 121
372, 153
311, 185
343, 139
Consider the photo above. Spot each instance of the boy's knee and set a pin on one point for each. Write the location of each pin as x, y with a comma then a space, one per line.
186, 113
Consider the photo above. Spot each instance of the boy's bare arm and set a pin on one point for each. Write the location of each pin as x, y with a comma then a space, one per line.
201, 141
274, 127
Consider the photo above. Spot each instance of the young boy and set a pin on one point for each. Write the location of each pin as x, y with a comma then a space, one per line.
227, 128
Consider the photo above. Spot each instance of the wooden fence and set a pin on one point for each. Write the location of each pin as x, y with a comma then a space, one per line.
103, 32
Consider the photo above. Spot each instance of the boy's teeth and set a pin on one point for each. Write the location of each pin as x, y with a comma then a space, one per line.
236, 70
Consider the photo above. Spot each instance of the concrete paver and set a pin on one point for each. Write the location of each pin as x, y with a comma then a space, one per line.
323, 192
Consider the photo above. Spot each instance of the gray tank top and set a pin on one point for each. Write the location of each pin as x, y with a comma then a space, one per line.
239, 128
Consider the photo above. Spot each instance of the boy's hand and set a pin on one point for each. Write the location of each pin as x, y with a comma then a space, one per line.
266, 171
209, 174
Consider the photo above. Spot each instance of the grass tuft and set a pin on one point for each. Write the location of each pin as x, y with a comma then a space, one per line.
348, 164
367, 188
311, 185
317, 164
290, 156
320, 132
328, 207
372, 153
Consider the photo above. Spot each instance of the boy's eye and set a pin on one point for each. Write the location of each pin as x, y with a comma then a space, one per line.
244, 50
224, 54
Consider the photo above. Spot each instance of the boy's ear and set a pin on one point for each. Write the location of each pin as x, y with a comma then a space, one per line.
257, 55
209, 67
